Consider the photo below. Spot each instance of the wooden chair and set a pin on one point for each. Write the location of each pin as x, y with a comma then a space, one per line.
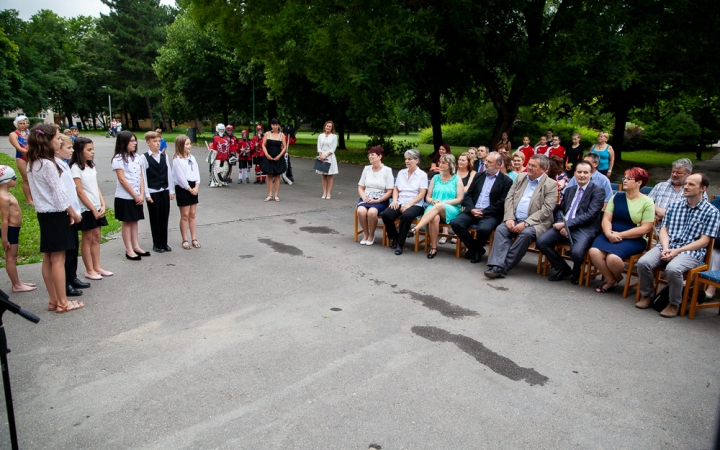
689, 277
702, 280
564, 251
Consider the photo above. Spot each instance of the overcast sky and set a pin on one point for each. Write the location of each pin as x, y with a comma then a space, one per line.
65, 8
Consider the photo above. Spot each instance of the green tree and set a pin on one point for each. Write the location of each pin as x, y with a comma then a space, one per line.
10, 78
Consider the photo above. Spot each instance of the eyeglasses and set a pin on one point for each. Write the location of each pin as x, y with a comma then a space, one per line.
628, 178
133, 140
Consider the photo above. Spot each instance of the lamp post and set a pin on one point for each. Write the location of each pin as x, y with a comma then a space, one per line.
109, 105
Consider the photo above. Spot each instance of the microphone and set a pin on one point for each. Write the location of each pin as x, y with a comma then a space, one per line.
14, 308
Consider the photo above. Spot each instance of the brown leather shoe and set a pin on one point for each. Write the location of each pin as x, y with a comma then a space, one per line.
644, 302
670, 311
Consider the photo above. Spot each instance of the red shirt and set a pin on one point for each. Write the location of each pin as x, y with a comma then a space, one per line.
528, 151
256, 146
243, 149
558, 151
541, 149
221, 144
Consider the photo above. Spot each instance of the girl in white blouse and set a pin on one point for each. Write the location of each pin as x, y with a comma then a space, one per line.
326, 146
186, 175
375, 189
55, 213
129, 193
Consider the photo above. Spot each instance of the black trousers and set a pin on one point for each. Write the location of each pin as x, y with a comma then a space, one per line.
71, 256
159, 212
486, 225
582, 242
406, 219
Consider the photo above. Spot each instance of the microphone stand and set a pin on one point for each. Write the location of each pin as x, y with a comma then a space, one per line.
7, 305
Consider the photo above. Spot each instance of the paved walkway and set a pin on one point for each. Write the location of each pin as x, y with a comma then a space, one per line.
281, 332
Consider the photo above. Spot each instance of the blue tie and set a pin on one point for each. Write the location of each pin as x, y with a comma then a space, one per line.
574, 206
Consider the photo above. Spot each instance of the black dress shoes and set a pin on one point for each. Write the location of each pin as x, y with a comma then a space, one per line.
167, 248
496, 272
79, 284
470, 254
70, 291
158, 249
133, 258
142, 253
393, 244
561, 274
575, 281
476, 258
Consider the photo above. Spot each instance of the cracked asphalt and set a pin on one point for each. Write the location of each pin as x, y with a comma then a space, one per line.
281, 332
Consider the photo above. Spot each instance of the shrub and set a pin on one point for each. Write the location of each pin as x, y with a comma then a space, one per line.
673, 132
459, 134
634, 136
7, 127
391, 147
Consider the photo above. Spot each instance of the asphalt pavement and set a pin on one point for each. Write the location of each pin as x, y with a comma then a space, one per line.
283, 333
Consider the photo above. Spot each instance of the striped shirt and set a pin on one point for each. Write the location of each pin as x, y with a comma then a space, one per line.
687, 224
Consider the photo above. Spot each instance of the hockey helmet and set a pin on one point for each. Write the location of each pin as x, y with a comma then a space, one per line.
230, 129
220, 129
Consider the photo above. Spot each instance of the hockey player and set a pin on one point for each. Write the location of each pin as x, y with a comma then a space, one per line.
244, 157
219, 165
258, 154
230, 131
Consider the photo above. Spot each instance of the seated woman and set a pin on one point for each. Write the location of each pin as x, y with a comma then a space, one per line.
407, 200
374, 188
557, 171
507, 166
444, 149
465, 170
628, 218
444, 198
518, 164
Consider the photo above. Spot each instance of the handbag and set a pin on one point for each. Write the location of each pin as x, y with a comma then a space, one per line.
323, 167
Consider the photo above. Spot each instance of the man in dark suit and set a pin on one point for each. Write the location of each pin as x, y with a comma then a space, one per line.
582, 205
483, 205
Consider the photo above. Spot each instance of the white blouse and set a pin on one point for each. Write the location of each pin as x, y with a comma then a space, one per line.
184, 170
47, 190
376, 183
327, 144
133, 175
88, 178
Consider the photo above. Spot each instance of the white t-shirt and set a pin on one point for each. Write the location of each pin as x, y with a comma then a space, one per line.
88, 178
376, 183
133, 175
69, 184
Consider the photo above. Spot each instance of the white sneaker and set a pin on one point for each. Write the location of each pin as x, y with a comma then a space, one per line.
212, 185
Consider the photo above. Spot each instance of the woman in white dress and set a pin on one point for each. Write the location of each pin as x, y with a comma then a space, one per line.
375, 189
327, 144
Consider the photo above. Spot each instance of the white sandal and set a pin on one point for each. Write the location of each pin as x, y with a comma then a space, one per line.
277, 199
268, 199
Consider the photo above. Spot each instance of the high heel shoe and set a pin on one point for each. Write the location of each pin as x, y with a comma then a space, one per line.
411, 234
433, 252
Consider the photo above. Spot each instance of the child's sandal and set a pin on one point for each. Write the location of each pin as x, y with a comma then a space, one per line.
195, 243
186, 245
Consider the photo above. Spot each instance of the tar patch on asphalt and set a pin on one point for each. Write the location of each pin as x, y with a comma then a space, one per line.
290, 220
318, 230
335, 309
498, 288
495, 362
246, 256
279, 247
444, 307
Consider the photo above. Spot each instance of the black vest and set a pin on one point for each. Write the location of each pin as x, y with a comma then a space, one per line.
157, 172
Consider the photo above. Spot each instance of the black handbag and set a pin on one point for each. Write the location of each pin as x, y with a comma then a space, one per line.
323, 167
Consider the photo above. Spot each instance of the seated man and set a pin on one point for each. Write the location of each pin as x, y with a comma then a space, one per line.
581, 207
528, 213
670, 191
687, 228
596, 177
483, 205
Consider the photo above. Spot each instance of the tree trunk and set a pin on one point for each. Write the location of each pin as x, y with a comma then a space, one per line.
272, 111
198, 126
150, 113
407, 128
622, 110
166, 122
127, 123
94, 121
435, 111
342, 117
135, 122
226, 116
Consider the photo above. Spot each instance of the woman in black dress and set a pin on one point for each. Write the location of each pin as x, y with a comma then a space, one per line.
274, 164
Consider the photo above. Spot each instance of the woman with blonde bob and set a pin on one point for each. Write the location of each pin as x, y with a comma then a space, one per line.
186, 176
444, 197
326, 146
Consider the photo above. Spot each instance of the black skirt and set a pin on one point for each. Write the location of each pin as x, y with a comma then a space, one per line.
128, 211
185, 198
55, 232
89, 222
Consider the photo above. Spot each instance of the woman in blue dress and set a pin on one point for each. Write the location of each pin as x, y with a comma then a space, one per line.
444, 197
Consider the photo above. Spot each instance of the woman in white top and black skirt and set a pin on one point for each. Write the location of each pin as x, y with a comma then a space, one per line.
129, 193
54, 211
186, 176
375, 188
326, 146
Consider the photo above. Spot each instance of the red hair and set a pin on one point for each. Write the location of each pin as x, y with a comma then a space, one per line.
639, 174
378, 151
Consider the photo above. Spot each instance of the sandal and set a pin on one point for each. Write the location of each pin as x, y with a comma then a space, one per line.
433, 252
195, 243
268, 199
610, 287
186, 245
52, 306
71, 306
277, 199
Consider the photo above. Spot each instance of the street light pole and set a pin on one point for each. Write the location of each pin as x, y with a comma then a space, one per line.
109, 105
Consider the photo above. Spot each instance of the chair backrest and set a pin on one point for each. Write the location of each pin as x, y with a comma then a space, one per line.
650, 236
646, 189
708, 253
615, 187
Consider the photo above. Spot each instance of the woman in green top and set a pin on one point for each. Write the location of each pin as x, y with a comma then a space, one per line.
627, 220
444, 197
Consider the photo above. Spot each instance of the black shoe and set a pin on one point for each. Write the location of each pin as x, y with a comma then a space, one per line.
142, 253
561, 274
410, 235
575, 281
496, 272
167, 248
70, 291
399, 251
433, 252
256, 182
393, 244
158, 249
77, 283
133, 258
470, 254
476, 257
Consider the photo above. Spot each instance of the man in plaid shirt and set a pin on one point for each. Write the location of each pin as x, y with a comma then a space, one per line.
672, 190
688, 226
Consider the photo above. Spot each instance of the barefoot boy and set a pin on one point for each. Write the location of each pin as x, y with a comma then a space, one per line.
11, 222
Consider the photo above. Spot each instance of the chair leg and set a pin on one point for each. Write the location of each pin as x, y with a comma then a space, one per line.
631, 264
693, 302
686, 291
356, 226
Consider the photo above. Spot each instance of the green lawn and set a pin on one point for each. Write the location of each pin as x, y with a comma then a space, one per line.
29, 246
